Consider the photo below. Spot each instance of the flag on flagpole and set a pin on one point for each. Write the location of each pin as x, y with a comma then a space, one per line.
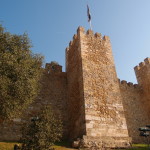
88, 14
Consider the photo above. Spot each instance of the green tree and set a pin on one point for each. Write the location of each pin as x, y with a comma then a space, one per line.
20, 71
42, 131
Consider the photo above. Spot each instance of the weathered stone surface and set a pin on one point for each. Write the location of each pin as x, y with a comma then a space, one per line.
104, 114
90, 142
76, 110
135, 112
143, 76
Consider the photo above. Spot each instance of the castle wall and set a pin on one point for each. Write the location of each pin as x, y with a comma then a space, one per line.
53, 92
143, 77
104, 114
76, 112
135, 113
93, 105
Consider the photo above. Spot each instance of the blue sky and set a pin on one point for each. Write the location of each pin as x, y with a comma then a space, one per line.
51, 24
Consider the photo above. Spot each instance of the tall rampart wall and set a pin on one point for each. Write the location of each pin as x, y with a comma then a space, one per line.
135, 113
143, 77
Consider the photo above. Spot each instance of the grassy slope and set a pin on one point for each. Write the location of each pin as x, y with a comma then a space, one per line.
6, 146
10, 145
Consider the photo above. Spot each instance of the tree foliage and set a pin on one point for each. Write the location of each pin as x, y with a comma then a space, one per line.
42, 131
20, 72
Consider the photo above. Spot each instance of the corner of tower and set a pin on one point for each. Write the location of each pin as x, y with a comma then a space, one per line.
142, 71
142, 65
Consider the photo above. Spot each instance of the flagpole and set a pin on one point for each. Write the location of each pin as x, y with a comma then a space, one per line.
90, 25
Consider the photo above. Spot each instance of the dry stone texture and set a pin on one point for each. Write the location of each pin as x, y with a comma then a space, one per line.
135, 113
76, 114
143, 76
104, 114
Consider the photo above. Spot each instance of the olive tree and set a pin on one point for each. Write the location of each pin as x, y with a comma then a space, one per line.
20, 71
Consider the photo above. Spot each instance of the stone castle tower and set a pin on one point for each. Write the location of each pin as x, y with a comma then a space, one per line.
95, 106
94, 98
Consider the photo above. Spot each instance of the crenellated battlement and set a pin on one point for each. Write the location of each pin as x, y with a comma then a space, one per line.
89, 34
128, 84
142, 65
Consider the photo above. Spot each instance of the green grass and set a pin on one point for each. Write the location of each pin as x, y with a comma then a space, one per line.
7, 145
138, 147
57, 146
66, 146
63, 146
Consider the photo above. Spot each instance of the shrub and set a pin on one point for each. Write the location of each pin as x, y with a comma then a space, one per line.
42, 131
